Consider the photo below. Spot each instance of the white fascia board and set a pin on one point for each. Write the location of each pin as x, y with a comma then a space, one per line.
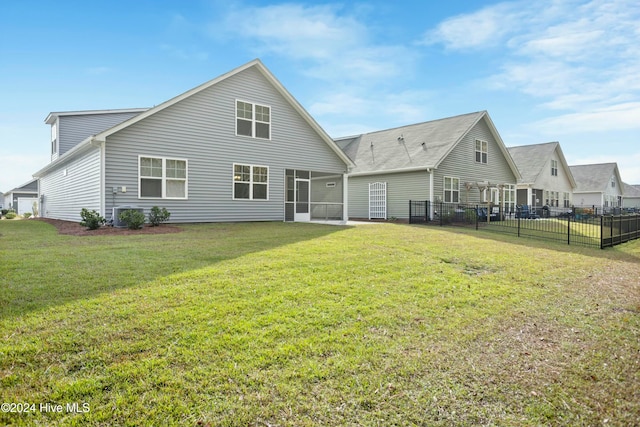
389, 171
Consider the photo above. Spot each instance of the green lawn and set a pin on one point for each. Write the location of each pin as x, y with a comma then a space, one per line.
274, 324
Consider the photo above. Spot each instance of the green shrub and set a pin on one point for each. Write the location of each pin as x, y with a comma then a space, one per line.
10, 215
4, 212
134, 219
27, 214
158, 215
91, 219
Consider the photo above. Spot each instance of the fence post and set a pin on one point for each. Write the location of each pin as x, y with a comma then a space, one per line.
601, 232
477, 217
426, 211
410, 216
568, 229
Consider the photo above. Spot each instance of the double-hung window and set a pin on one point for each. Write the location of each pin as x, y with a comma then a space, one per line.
253, 120
250, 182
162, 178
451, 189
481, 151
554, 168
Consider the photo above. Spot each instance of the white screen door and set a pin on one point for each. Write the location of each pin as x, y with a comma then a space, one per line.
303, 211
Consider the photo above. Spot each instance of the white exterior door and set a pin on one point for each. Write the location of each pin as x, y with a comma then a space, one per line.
377, 200
303, 207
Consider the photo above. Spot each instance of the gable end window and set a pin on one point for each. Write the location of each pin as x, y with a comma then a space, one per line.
481, 151
54, 138
250, 182
451, 190
554, 167
253, 120
162, 178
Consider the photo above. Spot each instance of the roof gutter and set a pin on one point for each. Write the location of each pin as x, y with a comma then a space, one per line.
427, 169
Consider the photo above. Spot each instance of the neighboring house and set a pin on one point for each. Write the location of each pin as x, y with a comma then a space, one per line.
598, 185
631, 197
22, 198
546, 177
237, 148
459, 159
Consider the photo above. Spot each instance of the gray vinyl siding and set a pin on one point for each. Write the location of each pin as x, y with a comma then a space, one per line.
201, 129
401, 187
72, 130
65, 196
461, 163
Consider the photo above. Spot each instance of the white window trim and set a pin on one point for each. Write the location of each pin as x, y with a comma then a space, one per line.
253, 119
554, 169
481, 152
451, 191
233, 182
164, 178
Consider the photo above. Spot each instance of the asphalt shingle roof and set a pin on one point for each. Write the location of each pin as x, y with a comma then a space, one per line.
531, 159
593, 178
422, 145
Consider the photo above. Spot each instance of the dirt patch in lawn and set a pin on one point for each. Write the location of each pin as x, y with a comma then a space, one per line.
75, 229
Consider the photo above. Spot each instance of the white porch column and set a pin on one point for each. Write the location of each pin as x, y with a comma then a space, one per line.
430, 172
529, 195
345, 197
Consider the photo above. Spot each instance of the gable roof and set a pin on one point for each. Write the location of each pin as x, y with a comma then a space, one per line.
27, 187
256, 63
51, 118
631, 191
414, 147
595, 177
532, 160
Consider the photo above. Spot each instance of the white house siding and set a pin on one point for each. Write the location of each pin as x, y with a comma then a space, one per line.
461, 163
588, 199
71, 187
74, 129
560, 183
201, 129
401, 187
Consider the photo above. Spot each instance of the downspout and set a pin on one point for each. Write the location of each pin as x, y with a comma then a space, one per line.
430, 172
101, 145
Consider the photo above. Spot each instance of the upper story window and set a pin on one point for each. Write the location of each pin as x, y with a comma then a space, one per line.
162, 178
481, 151
54, 138
554, 167
253, 120
613, 182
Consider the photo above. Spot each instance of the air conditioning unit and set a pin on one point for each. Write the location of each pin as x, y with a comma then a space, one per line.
115, 216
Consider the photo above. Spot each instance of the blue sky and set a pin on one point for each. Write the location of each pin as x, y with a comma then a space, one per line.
556, 70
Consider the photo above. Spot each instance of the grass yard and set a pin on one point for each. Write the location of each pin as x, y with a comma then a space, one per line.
274, 324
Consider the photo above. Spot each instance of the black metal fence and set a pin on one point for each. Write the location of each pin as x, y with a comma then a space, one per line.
586, 226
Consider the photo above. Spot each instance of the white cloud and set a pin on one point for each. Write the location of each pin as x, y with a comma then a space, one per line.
617, 117
333, 45
484, 28
580, 57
